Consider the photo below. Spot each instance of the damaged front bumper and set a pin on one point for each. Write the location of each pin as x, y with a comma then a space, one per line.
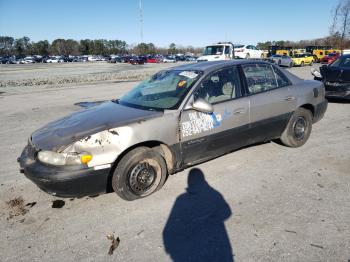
337, 90
63, 181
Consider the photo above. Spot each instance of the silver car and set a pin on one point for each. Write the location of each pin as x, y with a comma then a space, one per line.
281, 60
178, 118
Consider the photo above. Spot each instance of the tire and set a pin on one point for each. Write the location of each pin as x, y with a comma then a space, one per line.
262, 56
298, 129
290, 65
247, 56
311, 63
302, 63
134, 168
279, 63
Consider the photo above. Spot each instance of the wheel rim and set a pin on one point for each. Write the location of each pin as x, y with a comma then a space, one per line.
299, 128
142, 178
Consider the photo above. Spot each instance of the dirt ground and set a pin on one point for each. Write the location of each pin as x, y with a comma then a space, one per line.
269, 202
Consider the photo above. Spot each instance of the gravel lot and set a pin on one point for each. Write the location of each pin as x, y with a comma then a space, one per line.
283, 204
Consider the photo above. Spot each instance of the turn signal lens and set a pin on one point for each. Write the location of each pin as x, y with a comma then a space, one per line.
85, 159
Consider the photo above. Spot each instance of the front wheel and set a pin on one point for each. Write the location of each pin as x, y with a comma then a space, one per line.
141, 172
298, 129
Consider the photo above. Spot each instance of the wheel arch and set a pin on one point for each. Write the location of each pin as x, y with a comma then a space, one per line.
309, 107
162, 148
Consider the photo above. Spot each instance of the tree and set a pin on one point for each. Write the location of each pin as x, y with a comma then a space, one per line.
22, 46
341, 21
41, 48
172, 48
6, 45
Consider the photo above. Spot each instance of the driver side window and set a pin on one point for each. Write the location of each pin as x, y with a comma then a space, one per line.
220, 86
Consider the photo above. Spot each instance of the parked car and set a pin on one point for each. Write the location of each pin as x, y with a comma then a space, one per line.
335, 77
248, 51
281, 60
137, 60
303, 59
152, 60
169, 59
191, 58
330, 58
51, 59
114, 59
178, 118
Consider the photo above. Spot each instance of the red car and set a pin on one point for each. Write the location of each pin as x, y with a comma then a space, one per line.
330, 58
152, 60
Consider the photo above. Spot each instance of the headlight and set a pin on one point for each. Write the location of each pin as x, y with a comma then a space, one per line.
61, 159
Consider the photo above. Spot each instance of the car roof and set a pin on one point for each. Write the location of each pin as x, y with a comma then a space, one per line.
213, 65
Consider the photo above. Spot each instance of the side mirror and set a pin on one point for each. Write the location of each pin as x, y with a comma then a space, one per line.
202, 106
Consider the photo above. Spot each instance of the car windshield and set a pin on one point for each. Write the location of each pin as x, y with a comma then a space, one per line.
164, 90
213, 50
342, 61
298, 55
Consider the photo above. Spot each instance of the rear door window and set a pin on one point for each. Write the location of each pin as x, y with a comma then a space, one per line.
259, 77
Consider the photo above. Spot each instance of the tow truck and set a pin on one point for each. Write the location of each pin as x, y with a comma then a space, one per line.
219, 51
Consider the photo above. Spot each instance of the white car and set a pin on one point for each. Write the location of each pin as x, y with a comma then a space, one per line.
93, 58
248, 51
169, 60
52, 60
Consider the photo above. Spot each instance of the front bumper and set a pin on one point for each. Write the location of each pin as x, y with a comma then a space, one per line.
63, 181
337, 90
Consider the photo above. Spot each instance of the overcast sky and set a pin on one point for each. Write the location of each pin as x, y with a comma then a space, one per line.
184, 22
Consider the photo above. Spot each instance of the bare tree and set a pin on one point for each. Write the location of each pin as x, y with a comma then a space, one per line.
335, 12
344, 19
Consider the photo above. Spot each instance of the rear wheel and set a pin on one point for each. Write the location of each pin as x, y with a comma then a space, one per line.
141, 172
298, 129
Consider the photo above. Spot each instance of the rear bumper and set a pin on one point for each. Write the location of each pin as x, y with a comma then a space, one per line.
320, 110
64, 181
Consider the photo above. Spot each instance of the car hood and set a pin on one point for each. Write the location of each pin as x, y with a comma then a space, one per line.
57, 135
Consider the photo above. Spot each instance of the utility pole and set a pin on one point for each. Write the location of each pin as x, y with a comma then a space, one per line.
141, 22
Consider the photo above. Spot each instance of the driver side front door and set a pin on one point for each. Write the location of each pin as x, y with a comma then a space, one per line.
204, 136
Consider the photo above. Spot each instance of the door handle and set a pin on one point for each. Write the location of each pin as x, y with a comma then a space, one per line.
239, 111
289, 98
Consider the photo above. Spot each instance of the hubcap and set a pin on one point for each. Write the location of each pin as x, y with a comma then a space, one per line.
141, 178
300, 128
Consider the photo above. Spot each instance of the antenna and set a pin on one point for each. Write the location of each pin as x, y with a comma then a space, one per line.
141, 22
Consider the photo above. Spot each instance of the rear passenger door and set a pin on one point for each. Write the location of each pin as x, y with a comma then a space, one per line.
204, 136
271, 100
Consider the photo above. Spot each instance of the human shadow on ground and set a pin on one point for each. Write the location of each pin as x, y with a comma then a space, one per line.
195, 229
